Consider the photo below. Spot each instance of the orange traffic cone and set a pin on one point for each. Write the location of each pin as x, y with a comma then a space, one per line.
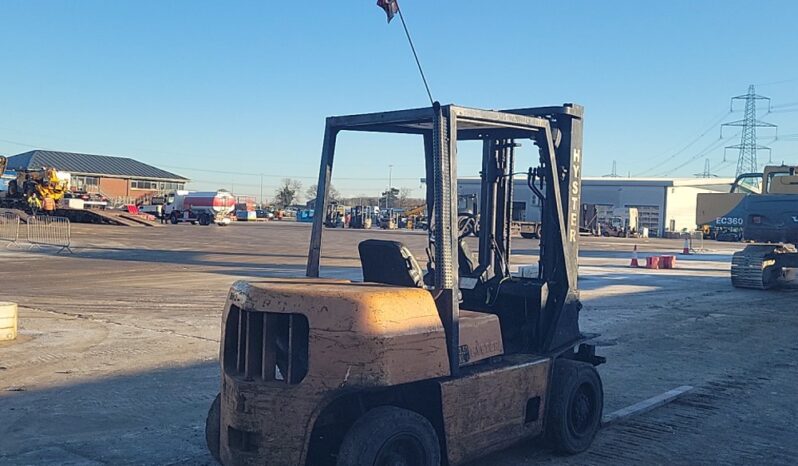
686, 247
634, 258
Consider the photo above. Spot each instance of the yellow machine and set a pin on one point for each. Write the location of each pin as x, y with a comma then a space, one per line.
421, 368
761, 207
415, 217
39, 189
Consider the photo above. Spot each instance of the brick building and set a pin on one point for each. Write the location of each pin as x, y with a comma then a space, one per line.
114, 177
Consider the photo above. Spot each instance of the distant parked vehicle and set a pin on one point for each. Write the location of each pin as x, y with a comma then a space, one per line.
264, 214
305, 215
200, 207
155, 210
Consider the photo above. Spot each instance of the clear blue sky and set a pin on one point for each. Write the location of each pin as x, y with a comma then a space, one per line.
217, 91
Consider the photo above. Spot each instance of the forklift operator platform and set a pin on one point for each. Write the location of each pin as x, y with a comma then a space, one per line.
536, 315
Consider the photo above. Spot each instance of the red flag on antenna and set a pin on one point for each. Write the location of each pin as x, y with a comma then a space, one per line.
391, 7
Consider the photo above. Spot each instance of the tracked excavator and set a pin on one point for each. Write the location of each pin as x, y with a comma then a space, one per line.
763, 209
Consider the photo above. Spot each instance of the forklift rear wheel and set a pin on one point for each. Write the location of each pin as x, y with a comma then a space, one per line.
390, 436
575, 407
213, 428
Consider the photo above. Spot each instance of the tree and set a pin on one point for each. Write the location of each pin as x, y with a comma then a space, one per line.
332, 193
388, 198
287, 193
404, 198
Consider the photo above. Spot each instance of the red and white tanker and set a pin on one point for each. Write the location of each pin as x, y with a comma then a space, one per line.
203, 207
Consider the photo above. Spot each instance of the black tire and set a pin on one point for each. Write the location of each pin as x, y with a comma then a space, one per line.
173, 218
575, 406
390, 435
528, 235
205, 220
213, 428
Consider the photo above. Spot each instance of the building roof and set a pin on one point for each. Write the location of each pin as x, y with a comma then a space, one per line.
709, 183
661, 182
88, 164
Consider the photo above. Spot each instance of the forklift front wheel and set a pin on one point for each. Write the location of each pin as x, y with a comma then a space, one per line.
390, 435
213, 427
575, 406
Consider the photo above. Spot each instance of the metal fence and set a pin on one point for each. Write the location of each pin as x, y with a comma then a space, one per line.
697, 241
9, 228
49, 231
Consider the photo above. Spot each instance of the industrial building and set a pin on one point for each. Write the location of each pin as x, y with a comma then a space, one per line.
114, 177
663, 204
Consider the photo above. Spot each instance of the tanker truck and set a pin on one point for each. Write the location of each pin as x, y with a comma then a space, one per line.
204, 207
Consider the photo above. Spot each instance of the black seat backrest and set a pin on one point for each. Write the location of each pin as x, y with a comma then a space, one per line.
389, 262
465, 259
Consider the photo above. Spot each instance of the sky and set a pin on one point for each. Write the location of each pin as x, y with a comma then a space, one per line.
234, 93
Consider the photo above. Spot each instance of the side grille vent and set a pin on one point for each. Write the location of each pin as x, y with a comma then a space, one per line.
266, 346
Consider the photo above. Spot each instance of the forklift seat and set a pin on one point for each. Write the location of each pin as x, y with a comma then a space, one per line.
465, 259
389, 262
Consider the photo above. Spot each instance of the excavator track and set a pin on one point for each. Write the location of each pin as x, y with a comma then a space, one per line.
756, 266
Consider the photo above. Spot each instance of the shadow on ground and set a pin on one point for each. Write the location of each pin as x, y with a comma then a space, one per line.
153, 417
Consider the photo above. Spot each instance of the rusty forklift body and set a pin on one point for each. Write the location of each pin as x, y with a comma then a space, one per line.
441, 367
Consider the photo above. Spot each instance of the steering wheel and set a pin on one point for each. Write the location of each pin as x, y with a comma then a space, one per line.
466, 226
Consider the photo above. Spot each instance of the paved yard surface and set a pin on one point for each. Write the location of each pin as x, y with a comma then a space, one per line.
116, 362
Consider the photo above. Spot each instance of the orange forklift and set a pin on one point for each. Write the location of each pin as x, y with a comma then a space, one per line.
417, 366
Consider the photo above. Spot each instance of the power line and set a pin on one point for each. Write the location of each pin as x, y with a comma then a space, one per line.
717, 143
715, 123
783, 81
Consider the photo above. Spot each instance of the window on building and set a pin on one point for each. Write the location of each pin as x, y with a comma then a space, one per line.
144, 184
85, 183
170, 186
156, 185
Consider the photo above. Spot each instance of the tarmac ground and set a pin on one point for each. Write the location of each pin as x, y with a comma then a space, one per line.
117, 357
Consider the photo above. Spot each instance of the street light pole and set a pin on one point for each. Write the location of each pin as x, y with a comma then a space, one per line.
261, 190
390, 187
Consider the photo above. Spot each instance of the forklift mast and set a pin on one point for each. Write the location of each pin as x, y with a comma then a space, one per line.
556, 182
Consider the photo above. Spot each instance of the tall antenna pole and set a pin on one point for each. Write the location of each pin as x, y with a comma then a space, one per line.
748, 147
415, 55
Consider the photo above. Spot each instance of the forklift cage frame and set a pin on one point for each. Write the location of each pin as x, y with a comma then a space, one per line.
560, 152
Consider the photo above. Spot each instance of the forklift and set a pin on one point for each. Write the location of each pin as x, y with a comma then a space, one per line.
410, 367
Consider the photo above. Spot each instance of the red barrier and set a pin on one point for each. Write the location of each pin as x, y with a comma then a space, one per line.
652, 262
